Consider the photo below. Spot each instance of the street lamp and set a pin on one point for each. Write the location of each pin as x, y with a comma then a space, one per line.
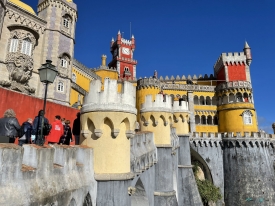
47, 74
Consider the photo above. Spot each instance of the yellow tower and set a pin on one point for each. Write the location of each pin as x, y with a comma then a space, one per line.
157, 117
108, 121
234, 91
146, 86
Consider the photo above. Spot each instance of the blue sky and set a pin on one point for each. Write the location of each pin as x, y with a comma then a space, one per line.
183, 37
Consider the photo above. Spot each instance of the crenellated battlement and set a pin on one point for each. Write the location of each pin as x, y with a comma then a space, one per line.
180, 106
148, 82
39, 169
234, 85
189, 77
126, 41
230, 58
162, 103
69, 7
109, 99
143, 152
230, 138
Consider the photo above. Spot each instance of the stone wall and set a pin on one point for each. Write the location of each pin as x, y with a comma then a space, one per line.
57, 175
2, 13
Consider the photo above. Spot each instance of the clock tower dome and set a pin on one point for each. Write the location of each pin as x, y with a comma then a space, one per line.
123, 52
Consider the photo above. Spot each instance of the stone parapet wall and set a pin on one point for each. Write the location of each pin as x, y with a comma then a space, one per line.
33, 175
182, 106
143, 152
162, 103
109, 99
234, 85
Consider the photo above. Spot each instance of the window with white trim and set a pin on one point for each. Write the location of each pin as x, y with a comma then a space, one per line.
13, 45
26, 47
247, 117
64, 63
60, 87
66, 23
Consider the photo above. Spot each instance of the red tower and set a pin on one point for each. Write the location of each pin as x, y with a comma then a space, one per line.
234, 66
123, 52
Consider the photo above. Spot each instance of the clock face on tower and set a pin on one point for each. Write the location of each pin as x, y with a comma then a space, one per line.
125, 51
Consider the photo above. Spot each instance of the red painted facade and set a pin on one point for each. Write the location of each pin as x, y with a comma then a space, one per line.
28, 107
236, 72
221, 74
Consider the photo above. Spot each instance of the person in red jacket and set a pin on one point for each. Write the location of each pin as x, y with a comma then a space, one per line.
56, 131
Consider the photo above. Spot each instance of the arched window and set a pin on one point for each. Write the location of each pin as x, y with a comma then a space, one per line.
239, 97
74, 77
224, 99
231, 98
247, 117
202, 100
67, 21
60, 87
26, 47
64, 62
208, 101
13, 44
197, 119
196, 100
245, 97
209, 120
203, 119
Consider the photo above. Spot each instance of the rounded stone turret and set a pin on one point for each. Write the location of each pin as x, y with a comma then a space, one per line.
236, 107
181, 117
156, 116
108, 121
146, 86
248, 169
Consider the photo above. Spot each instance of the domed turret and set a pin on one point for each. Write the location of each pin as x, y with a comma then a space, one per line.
23, 6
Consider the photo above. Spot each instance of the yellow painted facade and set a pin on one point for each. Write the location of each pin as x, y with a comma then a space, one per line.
158, 123
231, 118
111, 154
83, 80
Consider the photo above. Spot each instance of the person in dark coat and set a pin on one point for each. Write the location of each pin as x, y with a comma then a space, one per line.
26, 138
67, 136
9, 127
76, 129
37, 125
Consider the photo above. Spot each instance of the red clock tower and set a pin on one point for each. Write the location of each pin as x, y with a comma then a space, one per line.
123, 53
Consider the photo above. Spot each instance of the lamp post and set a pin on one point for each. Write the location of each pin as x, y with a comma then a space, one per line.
47, 74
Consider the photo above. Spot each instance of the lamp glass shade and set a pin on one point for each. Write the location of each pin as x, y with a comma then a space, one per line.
47, 73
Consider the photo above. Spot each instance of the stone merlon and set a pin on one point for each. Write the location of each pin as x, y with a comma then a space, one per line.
109, 99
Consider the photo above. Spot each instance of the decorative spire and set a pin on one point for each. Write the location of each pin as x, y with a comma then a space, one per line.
113, 39
133, 36
118, 32
246, 46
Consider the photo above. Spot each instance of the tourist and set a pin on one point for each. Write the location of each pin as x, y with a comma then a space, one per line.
63, 121
67, 136
37, 123
9, 127
56, 132
27, 128
76, 129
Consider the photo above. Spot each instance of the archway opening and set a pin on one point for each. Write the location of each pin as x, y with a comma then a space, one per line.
139, 197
